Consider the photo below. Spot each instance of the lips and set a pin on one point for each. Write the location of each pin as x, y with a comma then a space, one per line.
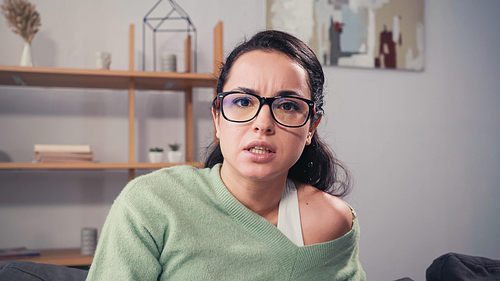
260, 152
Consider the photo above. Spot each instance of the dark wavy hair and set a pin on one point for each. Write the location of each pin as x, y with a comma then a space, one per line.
317, 165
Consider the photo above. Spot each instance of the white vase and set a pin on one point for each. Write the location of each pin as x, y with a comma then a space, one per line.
174, 156
155, 156
26, 59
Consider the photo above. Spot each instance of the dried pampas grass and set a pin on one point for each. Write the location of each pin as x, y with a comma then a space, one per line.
22, 17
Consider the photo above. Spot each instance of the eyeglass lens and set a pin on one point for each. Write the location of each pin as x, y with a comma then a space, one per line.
288, 111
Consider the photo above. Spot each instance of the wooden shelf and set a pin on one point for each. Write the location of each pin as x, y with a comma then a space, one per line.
120, 80
65, 257
89, 166
102, 79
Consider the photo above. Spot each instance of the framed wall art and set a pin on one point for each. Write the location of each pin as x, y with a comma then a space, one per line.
355, 33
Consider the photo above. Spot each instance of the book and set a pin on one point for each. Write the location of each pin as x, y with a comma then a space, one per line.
68, 155
59, 153
62, 148
62, 160
55, 157
10, 253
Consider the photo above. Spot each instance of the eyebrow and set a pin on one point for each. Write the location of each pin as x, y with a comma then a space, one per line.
245, 90
289, 93
285, 93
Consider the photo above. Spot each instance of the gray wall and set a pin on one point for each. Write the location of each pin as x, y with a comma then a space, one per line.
424, 147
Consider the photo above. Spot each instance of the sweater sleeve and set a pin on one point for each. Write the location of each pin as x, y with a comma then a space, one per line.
126, 249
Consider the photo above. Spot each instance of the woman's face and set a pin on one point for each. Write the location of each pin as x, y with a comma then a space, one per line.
262, 149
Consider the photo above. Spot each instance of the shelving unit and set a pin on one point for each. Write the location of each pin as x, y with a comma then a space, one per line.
130, 80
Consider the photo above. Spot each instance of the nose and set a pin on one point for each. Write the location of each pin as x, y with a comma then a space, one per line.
264, 121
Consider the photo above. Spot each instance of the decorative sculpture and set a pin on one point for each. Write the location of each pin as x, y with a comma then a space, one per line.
176, 13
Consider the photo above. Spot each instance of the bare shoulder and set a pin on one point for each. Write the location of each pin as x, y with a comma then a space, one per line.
323, 216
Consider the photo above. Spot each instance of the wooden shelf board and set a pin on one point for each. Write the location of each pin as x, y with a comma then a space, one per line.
65, 257
102, 79
84, 166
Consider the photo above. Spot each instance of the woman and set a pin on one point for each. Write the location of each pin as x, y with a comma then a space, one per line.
264, 208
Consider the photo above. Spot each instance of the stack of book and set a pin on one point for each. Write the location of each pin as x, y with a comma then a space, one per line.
50, 153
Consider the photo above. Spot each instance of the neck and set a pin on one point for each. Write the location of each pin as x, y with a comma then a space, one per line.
260, 196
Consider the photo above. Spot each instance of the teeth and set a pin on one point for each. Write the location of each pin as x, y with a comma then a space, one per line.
259, 150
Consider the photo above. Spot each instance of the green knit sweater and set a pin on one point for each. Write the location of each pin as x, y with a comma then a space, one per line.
182, 223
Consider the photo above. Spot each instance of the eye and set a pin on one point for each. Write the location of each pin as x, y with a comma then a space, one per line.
243, 101
288, 105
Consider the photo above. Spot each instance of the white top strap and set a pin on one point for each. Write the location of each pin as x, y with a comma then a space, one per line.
288, 214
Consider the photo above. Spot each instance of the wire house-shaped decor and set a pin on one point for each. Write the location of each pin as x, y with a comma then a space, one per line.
155, 24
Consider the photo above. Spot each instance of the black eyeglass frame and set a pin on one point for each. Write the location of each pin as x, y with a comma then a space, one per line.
269, 101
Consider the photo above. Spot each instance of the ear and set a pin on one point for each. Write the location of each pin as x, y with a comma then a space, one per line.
215, 116
311, 132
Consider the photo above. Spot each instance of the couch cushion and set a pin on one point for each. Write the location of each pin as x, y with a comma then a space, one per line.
458, 267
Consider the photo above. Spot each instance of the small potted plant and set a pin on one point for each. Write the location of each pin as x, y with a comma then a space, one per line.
155, 155
174, 155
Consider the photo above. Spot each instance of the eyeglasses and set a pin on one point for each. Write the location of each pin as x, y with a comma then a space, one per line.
288, 111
